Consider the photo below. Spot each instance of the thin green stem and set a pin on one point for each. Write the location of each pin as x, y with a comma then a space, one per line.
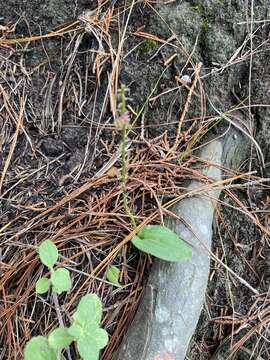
124, 175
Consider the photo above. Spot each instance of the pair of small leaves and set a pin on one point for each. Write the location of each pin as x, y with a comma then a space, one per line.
85, 331
60, 278
90, 337
60, 281
90, 340
41, 348
163, 243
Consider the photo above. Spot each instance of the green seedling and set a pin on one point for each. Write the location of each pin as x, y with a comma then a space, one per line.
85, 331
155, 240
60, 278
148, 45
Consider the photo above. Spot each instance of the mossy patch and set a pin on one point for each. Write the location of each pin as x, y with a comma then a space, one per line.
148, 45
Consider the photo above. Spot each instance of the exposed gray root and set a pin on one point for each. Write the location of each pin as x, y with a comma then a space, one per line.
173, 298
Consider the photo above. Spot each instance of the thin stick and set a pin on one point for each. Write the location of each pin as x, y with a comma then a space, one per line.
59, 317
13, 144
182, 117
57, 309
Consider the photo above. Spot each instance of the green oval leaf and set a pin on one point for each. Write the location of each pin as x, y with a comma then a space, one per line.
60, 338
162, 242
61, 280
89, 310
42, 285
87, 348
113, 275
38, 349
99, 335
93, 339
48, 253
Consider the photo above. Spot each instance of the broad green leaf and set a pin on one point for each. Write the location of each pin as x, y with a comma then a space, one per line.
48, 253
42, 285
38, 349
92, 341
75, 330
60, 338
89, 310
113, 275
87, 348
61, 280
99, 335
162, 242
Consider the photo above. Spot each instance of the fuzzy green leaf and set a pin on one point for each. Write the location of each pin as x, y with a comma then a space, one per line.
99, 335
60, 338
89, 310
113, 275
162, 242
61, 280
48, 253
92, 340
42, 285
38, 349
87, 348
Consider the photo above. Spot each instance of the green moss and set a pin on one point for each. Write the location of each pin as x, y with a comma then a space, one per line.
148, 45
197, 8
205, 24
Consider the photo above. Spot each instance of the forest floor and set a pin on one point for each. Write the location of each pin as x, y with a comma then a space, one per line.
60, 177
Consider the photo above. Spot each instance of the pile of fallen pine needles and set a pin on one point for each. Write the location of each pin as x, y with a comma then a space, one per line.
85, 219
